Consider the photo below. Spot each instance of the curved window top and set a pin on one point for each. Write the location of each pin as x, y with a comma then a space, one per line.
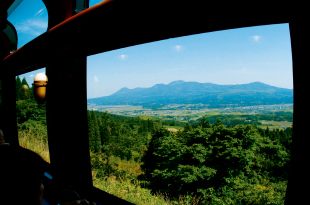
30, 20
94, 2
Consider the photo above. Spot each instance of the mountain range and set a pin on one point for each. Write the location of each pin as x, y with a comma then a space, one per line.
181, 92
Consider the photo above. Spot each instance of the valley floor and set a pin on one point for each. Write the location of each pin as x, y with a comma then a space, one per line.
193, 112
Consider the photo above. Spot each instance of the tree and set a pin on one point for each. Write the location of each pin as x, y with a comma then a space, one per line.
29, 110
217, 164
31, 94
104, 128
267, 132
204, 123
218, 122
91, 132
25, 89
24, 82
97, 138
19, 91
150, 159
187, 127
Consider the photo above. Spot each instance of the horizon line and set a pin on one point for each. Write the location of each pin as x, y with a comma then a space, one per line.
187, 82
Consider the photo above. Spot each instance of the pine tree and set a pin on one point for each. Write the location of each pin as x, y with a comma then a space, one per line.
267, 132
104, 128
91, 135
24, 82
96, 132
31, 94
19, 91
218, 122
187, 127
204, 123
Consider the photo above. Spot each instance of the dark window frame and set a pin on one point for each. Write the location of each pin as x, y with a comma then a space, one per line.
67, 41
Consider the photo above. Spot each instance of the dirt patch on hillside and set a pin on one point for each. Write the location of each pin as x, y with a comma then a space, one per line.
172, 129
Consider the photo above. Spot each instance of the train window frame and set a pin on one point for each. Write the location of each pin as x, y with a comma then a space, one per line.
70, 55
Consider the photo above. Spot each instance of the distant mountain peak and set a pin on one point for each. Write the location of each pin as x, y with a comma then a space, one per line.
158, 85
176, 82
121, 91
257, 82
124, 89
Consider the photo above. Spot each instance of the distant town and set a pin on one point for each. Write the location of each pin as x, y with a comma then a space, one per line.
186, 111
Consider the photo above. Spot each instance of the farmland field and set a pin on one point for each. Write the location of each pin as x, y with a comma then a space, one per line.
274, 124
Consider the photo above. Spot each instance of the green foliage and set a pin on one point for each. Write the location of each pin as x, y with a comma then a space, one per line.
119, 136
24, 82
130, 191
97, 138
37, 129
31, 94
26, 106
277, 116
101, 164
29, 109
31, 120
23, 93
247, 119
207, 161
91, 132
247, 190
173, 123
220, 164
19, 91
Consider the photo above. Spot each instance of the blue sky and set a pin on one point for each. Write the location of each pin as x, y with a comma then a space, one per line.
235, 56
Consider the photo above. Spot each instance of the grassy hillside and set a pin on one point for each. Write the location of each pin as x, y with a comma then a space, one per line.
126, 189
145, 117
34, 142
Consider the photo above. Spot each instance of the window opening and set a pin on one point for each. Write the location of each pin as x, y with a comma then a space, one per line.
94, 2
30, 19
31, 116
206, 117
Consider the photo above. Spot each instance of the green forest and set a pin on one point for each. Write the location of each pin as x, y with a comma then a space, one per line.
249, 119
234, 119
30, 115
211, 160
234, 164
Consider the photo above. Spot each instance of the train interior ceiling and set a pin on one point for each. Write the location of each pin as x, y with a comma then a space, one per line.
76, 31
